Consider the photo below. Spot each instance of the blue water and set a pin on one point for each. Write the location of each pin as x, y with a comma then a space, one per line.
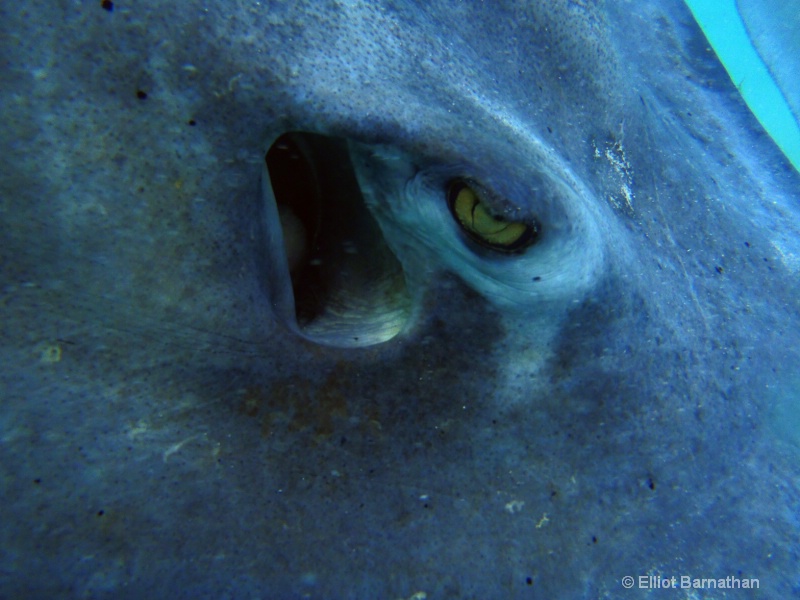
725, 31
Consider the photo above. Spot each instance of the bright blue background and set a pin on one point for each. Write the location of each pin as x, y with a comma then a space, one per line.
725, 31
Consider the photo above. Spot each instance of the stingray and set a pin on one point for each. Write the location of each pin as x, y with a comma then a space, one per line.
391, 300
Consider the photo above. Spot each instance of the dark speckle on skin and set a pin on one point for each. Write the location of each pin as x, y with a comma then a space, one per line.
107, 5
141, 94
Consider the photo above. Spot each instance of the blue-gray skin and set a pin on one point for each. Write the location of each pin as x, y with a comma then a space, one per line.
628, 413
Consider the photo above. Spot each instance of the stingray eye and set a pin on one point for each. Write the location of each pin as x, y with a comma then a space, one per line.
484, 228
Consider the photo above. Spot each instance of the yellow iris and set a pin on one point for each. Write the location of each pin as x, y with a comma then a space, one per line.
483, 227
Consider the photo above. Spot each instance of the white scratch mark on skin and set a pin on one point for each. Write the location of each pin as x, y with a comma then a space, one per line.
543, 521
233, 81
138, 429
417, 596
176, 447
789, 259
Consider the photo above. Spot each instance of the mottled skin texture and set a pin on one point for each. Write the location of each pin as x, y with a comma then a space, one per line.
184, 445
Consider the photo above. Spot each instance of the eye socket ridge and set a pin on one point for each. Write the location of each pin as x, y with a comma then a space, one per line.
470, 211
